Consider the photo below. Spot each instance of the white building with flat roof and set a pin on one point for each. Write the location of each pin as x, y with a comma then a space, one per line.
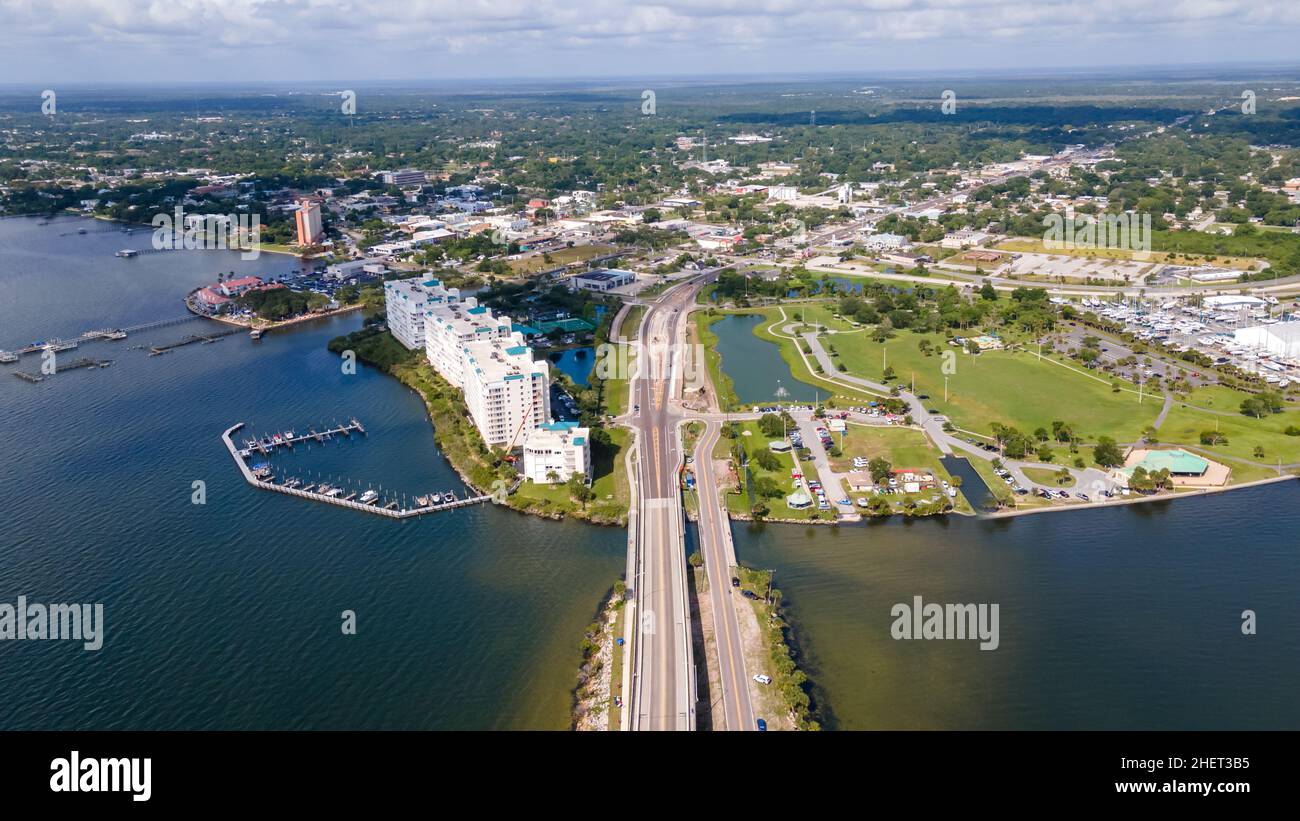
408, 301
506, 391
449, 328
1281, 339
559, 450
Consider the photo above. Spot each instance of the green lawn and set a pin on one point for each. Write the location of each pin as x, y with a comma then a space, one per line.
1047, 476
1186, 421
739, 502
632, 322
902, 448
1013, 388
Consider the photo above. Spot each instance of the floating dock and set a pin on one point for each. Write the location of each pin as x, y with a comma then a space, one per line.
266, 444
390, 509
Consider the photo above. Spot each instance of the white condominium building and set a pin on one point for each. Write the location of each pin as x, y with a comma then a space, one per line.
449, 328
507, 393
556, 451
408, 301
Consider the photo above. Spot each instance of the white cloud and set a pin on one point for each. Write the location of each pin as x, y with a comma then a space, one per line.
100, 39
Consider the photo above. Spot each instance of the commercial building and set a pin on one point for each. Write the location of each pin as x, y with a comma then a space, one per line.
404, 177
409, 300
556, 451
1232, 302
506, 391
886, 242
602, 280
356, 268
1281, 339
310, 230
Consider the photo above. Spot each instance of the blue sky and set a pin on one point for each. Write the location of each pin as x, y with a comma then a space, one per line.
46, 42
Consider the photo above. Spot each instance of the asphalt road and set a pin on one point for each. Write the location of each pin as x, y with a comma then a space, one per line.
719, 555
664, 689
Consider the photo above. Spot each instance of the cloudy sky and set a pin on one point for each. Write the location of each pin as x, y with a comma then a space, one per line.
48, 41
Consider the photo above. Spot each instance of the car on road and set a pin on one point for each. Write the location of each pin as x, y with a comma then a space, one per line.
762, 726
636, 408
762, 679
846, 501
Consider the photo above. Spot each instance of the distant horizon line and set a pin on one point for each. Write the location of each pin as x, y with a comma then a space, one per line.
1125, 71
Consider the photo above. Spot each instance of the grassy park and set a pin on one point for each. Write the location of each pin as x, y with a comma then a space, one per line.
1018, 388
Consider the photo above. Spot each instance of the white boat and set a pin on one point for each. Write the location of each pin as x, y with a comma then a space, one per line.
368, 498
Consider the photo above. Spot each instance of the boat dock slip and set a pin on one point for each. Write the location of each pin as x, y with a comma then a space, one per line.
389, 509
93, 336
266, 444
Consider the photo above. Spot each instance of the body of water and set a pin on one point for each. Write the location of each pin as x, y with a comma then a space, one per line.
227, 615
577, 363
1119, 618
758, 373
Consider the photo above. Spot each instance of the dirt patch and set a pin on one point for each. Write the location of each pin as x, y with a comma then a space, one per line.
767, 702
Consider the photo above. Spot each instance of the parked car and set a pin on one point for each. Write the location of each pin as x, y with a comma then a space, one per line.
735, 582
762, 679
762, 726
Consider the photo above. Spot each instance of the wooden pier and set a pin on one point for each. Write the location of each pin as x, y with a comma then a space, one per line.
60, 366
192, 339
108, 334
390, 509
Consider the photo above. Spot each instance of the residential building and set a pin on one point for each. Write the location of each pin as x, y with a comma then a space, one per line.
451, 326
506, 391
555, 451
310, 231
408, 301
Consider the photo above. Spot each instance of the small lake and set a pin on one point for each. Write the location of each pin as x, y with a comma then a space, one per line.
755, 366
577, 363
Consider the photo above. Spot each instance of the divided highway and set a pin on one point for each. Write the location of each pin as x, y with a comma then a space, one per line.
664, 694
663, 686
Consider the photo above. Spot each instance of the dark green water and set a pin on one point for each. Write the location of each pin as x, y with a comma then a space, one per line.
1126, 618
226, 615
757, 371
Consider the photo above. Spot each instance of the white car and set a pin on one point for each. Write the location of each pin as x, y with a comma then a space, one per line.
762, 679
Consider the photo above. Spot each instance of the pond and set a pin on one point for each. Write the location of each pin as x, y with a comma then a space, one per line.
577, 363
757, 371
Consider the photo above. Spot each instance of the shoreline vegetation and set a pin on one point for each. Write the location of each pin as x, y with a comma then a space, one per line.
593, 695
789, 683
460, 444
